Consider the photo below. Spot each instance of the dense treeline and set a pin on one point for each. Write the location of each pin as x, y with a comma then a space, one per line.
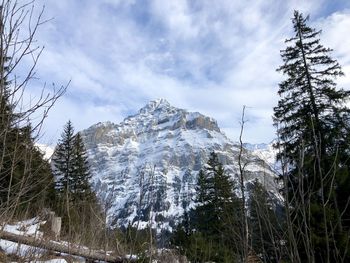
213, 230
76, 203
312, 122
26, 181
313, 128
28, 184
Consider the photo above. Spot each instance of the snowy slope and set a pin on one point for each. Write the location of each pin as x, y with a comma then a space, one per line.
46, 150
265, 152
145, 168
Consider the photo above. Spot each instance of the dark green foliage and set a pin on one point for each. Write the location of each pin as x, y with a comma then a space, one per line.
200, 248
8, 136
80, 181
215, 198
37, 177
26, 178
71, 167
63, 160
265, 228
208, 232
313, 127
311, 112
137, 241
77, 204
26, 181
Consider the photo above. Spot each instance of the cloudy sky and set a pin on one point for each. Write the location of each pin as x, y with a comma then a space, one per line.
207, 56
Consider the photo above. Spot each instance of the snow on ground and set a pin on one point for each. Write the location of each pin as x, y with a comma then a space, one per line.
28, 228
58, 260
20, 250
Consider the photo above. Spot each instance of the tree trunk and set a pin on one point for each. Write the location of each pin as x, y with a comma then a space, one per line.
72, 250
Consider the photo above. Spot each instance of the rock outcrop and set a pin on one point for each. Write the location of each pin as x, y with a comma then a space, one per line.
145, 168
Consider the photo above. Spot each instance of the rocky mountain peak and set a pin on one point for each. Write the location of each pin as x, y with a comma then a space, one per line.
160, 115
150, 162
158, 104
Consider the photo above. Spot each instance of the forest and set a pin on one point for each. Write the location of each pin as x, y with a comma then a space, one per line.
232, 221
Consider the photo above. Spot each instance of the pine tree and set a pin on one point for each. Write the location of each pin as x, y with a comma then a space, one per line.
80, 180
37, 182
213, 222
63, 160
8, 134
25, 177
201, 218
70, 166
313, 124
24, 174
78, 204
311, 111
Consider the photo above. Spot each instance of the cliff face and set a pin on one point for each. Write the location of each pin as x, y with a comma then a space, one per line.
145, 168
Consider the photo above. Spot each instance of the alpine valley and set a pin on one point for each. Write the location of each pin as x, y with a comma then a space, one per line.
144, 169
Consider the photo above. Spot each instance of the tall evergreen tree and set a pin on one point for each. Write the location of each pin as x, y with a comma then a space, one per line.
37, 182
63, 160
313, 125
8, 134
215, 198
213, 222
78, 204
86, 209
80, 180
25, 177
70, 166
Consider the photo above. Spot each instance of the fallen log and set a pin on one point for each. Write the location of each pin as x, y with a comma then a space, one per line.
58, 247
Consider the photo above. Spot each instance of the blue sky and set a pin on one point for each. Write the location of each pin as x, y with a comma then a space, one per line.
207, 56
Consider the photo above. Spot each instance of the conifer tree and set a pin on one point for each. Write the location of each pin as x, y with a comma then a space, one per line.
213, 222
87, 211
63, 160
313, 129
78, 204
80, 180
70, 166
24, 177
8, 134
311, 111
203, 214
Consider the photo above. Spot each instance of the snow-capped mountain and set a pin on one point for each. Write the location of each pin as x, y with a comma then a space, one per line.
145, 168
265, 152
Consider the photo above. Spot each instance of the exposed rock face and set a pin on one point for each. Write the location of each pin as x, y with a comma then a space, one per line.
145, 168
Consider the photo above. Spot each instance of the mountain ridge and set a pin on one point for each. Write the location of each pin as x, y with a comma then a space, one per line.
146, 167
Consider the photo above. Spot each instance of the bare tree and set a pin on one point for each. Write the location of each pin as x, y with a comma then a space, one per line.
245, 231
19, 23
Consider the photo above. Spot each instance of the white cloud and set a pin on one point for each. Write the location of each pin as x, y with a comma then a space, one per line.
204, 56
176, 16
335, 34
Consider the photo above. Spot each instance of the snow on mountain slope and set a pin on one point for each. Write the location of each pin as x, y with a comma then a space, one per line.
46, 150
145, 168
265, 152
